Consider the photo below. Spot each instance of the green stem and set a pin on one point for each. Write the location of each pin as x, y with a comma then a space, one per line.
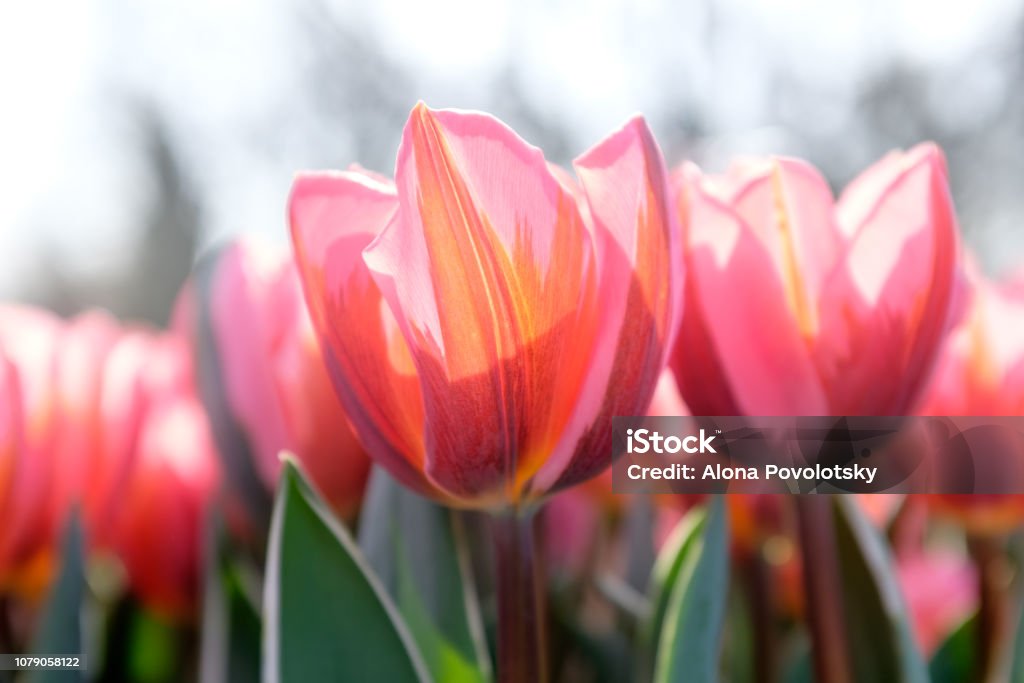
522, 642
758, 579
823, 590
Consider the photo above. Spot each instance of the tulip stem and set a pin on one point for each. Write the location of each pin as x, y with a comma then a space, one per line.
821, 585
522, 642
993, 607
6, 632
757, 576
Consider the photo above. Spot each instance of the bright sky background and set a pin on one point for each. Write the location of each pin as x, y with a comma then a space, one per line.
226, 70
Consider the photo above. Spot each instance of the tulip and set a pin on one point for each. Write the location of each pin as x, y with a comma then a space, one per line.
276, 386
120, 406
78, 434
939, 588
801, 305
484, 316
982, 373
571, 531
28, 342
164, 492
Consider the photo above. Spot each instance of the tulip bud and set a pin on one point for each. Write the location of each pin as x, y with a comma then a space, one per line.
163, 495
273, 385
28, 342
940, 591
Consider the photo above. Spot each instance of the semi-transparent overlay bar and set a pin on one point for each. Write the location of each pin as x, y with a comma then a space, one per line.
936, 455
41, 662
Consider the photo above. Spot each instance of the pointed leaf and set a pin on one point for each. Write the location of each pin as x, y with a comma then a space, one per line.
799, 668
689, 644
326, 616
669, 563
954, 660
881, 642
419, 551
1017, 664
231, 628
60, 631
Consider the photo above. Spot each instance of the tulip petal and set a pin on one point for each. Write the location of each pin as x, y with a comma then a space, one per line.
162, 507
334, 216
242, 315
123, 404
10, 436
487, 269
894, 299
319, 431
30, 338
789, 206
77, 446
982, 367
638, 250
738, 301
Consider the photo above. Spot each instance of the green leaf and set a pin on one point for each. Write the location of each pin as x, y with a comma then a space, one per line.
674, 552
231, 628
740, 646
954, 660
1017, 663
882, 646
419, 551
327, 617
689, 645
799, 668
60, 631
154, 649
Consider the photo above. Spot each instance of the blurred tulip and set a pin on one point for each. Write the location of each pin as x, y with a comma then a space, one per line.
29, 339
162, 501
484, 317
982, 373
277, 388
571, 532
982, 367
79, 436
122, 404
107, 420
798, 304
940, 590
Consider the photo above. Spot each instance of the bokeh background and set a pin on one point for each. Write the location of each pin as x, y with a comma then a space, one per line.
135, 134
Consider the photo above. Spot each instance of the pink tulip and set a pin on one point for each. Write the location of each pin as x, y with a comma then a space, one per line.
799, 304
28, 342
940, 590
982, 368
277, 387
78, 434
123, 404
163, 496
982, 373
571, 532
107, 420
485, 316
